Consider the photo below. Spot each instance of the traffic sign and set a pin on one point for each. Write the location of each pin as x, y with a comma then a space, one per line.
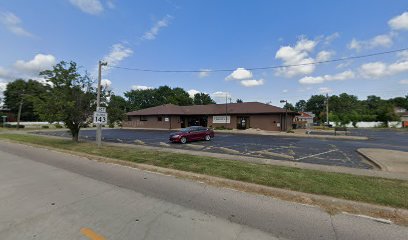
100, 118
101, 109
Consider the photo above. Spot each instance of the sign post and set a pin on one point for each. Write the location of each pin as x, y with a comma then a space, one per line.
98, 103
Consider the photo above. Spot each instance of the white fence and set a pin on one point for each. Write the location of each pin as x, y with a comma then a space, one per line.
371, 124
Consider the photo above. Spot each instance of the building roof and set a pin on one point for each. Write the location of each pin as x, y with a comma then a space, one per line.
211, 109
305, 115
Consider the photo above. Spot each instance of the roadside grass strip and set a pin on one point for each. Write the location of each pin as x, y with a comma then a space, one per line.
388, 192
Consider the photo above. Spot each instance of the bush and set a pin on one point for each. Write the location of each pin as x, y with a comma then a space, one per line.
58, 125
45, 126
8, 125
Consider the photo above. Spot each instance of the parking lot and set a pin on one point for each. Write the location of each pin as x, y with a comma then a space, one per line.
307, 150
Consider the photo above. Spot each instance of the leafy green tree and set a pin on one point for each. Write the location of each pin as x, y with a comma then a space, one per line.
316, 104
239, 100
140, 99
202, 99
300, 106
289, 107
70, 98
116, 109
24, 92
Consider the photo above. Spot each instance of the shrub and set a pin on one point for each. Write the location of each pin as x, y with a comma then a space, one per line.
45, 126
58, 125
8, 125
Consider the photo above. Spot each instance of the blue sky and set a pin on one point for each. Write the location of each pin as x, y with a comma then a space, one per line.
214, 34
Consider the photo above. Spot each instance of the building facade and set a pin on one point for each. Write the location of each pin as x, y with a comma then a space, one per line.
230, 116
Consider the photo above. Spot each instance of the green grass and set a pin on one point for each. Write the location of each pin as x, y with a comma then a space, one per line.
358, 188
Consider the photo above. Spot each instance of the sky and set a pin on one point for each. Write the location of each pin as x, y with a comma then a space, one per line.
207, 35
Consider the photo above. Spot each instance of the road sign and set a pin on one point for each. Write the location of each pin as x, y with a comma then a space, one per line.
100, 118
101, 109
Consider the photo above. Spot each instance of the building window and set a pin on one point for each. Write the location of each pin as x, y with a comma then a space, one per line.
159, 118
143, 118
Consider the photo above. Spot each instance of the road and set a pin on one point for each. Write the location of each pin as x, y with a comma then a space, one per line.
50, 195
307, 150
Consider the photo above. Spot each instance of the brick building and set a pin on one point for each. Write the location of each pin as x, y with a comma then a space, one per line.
231, 115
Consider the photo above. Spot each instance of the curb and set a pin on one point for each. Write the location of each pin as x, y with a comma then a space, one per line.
376, 163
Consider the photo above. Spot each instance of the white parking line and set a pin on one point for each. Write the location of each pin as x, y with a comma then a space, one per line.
314, 155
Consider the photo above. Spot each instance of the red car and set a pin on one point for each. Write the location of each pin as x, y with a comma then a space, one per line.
192, 134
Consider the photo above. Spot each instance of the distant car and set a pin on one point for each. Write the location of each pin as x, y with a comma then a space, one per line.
192, 134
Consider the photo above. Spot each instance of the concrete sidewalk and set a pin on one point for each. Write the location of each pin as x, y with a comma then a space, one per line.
387, 160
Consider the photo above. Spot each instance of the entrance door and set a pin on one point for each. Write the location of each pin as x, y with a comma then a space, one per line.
243, 122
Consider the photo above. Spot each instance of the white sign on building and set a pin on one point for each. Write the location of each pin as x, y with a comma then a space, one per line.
221, 119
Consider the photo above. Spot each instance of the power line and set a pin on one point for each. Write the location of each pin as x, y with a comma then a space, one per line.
261, 68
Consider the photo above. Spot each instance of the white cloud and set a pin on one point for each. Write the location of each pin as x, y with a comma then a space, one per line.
192, 92
221, 94
118, 53
106, 83
325, 78
331, 38
399, 22
39, 63
285, 90
13, 24
405, 81
381, 69
344, 64
3, 73
93, 7
204, 73
252, 82
325, 90
154, 31
324, 56
140, 87
299, 54
2, 86
239, 74
383, 40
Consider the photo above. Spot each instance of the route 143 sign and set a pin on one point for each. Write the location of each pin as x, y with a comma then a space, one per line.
100, 118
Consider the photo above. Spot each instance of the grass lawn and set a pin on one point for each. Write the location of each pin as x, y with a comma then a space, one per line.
357, 188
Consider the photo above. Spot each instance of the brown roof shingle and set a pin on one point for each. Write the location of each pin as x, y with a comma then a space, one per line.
210, 109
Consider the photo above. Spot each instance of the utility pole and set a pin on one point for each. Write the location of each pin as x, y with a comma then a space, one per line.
19, 113
327, 109
226, 109
98, 103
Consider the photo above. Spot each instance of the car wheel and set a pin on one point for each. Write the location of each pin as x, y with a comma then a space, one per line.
183, 140
207, 138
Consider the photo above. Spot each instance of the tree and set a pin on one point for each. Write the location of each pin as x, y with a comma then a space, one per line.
70, 98
289, 107
239, 100
300, 106
202, 99
316, 104
140, 99
116, 109
23, 92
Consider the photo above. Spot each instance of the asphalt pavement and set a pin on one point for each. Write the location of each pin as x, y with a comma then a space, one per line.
308, 150
51, 195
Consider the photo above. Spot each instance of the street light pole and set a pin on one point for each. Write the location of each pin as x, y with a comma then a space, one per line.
98, 103
286, 113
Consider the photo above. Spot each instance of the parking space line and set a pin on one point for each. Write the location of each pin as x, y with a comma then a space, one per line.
314, 155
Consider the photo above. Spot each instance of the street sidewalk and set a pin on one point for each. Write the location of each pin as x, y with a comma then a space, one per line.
387, 160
